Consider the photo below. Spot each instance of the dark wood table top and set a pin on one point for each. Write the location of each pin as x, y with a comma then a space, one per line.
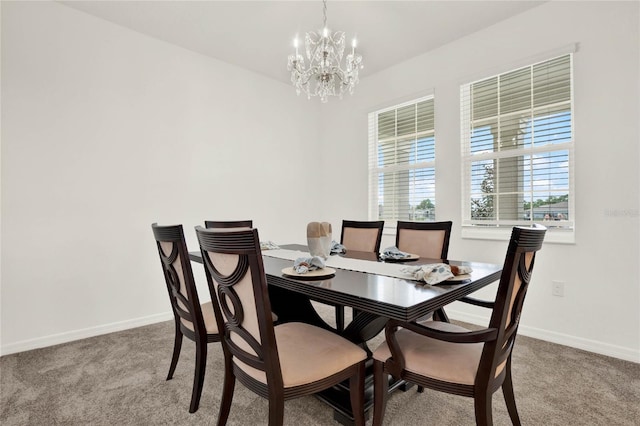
389, 297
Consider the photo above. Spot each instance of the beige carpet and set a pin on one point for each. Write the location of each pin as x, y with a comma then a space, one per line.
119, 379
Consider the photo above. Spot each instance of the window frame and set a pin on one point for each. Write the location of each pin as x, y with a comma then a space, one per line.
559, 231
374, 169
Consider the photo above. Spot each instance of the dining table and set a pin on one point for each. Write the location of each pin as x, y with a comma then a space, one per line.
377, 291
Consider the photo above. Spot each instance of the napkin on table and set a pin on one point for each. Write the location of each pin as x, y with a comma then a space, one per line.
337, 248
302, 265
268, 245
435, 273
393, 253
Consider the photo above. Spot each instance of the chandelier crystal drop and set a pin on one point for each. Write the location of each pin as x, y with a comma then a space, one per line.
324, 76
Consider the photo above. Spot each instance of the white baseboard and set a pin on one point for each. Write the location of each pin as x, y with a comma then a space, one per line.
56, 339
620, 352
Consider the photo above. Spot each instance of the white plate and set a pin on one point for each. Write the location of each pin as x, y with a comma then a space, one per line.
403, 259
311, 275
456, 279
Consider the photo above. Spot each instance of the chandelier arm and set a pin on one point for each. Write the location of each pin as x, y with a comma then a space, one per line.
305, 78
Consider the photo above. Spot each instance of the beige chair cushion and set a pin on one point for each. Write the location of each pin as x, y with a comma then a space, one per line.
360, 239
209, 319
425, 243
308, 354
446, 361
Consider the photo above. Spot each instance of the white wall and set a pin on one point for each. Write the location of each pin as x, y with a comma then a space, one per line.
601, 308
95, 116
105, 131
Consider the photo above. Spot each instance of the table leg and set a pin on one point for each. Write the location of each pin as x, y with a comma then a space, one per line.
364, 327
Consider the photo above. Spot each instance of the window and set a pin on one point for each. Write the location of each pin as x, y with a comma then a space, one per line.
402, 162
517, 147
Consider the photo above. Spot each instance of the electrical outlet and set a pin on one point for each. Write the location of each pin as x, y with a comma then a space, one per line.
557, 288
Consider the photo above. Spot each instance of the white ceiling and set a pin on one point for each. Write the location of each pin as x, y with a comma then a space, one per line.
258, 35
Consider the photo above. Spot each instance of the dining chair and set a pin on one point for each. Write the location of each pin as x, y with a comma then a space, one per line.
363, 236
426, 239
193, 320
449, 358
276, 362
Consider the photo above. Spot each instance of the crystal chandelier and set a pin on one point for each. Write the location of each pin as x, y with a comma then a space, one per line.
324, 77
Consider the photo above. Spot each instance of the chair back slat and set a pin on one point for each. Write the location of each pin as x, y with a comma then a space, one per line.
362, 236
180, 302
230, 225
235, 274
178, 274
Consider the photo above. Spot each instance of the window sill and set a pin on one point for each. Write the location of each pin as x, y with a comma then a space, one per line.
557, 236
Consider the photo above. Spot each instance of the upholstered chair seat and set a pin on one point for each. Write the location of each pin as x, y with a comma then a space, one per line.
303, 363
440, 360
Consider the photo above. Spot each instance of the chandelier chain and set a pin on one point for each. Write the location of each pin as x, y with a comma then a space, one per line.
324, 11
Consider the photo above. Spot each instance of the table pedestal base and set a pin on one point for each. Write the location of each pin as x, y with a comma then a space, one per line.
291, 306
338, 397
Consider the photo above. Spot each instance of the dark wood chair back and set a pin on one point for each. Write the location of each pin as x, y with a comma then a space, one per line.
512, 289
426, 239
236, 278
192, 319
176, 266
362, 235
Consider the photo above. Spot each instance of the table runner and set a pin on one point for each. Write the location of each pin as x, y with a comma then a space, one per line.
379, 268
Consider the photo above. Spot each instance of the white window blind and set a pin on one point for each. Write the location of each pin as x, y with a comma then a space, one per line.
517, 147
402, 162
